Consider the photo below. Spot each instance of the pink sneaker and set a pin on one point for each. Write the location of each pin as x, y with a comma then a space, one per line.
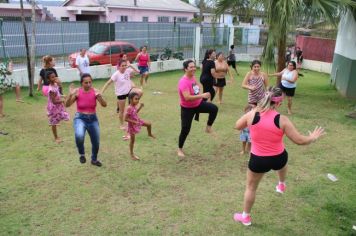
244, 220
280, 188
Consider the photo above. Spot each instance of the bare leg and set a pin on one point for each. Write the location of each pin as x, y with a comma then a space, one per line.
220, 91
146, 77
141, 81
54, 131
248, 147
132, 143
208, 129
282, 173
121, 104
149, 128
289, 105
243, 148
253, 179
18, 93
1, 106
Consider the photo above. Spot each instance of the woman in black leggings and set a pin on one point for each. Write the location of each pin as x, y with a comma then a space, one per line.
208, 73
192, 104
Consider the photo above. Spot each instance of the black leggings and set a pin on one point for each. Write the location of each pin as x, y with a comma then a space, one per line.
209, 89
187, 115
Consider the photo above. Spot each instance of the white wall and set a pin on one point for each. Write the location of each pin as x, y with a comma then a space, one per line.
346, 42
318, 66
101, 71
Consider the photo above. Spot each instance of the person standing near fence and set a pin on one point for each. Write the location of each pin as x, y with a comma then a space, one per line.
208, 73
222, 69
267, 128
256, 82
299, 54
83, 63
192, 103
85, 118
7, 83
231, 58
144, 63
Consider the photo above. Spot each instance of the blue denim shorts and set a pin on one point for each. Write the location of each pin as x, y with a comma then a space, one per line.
245, 137
142, 69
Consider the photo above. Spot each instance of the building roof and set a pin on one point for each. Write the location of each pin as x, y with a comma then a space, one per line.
161, 5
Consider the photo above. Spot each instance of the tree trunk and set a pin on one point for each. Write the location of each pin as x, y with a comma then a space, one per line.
33, 44
281, 64
26, 46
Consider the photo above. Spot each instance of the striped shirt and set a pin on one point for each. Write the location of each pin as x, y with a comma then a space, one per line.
254, 96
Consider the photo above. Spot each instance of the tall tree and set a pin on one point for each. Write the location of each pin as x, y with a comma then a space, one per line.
281, 18
26, 46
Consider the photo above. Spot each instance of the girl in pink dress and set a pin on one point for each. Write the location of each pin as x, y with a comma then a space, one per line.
134, 122
55, 105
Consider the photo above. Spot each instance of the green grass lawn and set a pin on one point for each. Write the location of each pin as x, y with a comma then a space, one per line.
44, 190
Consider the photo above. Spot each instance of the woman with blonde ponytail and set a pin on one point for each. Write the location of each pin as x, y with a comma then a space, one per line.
267, 128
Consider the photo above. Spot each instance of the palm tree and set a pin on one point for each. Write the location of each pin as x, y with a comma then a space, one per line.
281, 16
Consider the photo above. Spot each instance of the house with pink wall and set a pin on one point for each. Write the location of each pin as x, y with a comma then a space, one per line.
108, 11
125, 11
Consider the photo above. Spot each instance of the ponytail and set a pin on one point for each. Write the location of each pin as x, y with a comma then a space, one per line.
272, 98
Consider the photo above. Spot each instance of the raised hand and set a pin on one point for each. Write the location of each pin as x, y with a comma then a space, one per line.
317, 133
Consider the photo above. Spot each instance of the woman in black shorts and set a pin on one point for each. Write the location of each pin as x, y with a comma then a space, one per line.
221, 69
267, 128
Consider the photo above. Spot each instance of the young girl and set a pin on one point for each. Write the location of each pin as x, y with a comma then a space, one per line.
134, 122
48, 66
55, 105
245, 135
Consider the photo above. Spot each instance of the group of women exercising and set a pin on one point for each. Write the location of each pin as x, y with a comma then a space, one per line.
265, 125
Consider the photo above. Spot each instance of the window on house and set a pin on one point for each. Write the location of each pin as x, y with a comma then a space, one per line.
145, 19
163, 19
64, 18
128, 49
182, 19
124, 18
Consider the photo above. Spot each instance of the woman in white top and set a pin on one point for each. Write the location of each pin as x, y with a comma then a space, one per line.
123, 86
288, 82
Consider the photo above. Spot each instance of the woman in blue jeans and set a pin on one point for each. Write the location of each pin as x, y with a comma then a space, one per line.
85, 119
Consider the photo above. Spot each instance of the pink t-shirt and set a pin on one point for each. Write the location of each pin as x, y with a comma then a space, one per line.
86, 101
186, 84
266, 137
122, 82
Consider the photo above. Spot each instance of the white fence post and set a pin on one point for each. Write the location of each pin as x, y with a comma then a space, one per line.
197, 45
231, 36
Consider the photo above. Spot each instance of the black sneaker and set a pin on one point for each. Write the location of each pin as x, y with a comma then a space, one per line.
82, 159
96, 163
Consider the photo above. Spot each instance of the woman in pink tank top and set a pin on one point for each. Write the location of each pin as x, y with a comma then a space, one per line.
267, 128
85, 119
144, 63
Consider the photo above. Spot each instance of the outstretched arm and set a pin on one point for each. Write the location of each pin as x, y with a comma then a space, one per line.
293, 134
106, 85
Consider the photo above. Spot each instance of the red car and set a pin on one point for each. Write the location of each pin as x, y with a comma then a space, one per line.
107, 53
